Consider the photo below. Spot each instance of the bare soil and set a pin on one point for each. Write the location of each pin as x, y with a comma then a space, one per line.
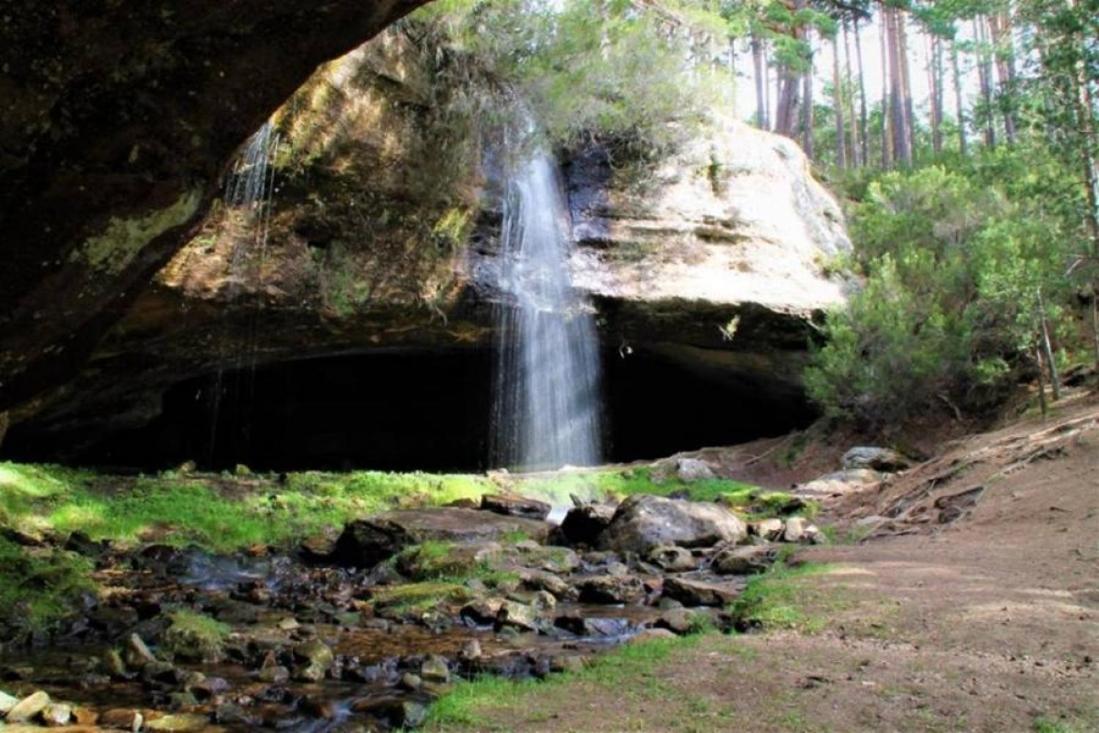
973, 605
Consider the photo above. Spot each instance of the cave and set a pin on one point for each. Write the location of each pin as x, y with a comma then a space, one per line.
406, 409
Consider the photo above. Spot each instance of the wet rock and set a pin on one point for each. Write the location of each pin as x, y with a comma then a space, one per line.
549, 559
396, 713
435, 669
471, 651
672, 559
681, 620
163, 673
314, 657
878, 459
611, 589
584, 524
482, 612
136, 652
410, 682
539, 580
417, 564
743, 560
56, 715
693, 469
194, 637
766, 529
699, 592
113, 663
209, 687
28, 708
517, 616
645, 522
85, 716
543, 602
515, 506
584, 625
121, 719
178, 723
367, 542
231, 714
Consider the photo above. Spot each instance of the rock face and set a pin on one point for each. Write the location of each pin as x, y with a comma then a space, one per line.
716, 265
366, 542
643, 523
118, 122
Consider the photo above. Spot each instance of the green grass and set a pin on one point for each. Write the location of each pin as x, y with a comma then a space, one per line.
422, 596
629, 671
447, 562
195, 636
38, 586
219, 513
782, 599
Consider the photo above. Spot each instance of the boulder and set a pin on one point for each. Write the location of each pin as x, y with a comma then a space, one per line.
840, 482
795, 529
672, 559
121, 719
367, 542
582, 624
57, 714
7, 702
611, 589
643, 523
877, 459
743, 560
435, 669
180, 723
398, 713
27, 708
699, 592
517, 616
767, 529
693, 469
137, 653
583, 524
539, 580
315, 657
681, 620
515, 506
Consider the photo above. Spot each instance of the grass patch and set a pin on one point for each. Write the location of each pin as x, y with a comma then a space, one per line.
218, 513
195, 636
39, 586
420, 597
628, 672
781, 599
449, 562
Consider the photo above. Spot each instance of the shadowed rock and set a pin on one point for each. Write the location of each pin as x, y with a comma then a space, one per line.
643, 523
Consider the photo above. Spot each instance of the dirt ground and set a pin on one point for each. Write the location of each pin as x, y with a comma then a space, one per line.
972, 606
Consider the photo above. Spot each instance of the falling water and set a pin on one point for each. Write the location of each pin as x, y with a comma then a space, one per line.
546, 411
248, 187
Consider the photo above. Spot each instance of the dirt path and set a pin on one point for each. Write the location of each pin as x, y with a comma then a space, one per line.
982, 616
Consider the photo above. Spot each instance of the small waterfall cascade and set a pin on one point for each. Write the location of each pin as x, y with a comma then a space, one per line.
249, 187
546, 410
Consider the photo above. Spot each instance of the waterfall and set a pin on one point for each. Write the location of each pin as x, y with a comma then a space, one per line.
547, 406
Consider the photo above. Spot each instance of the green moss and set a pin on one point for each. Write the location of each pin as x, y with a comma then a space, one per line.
422, 596
123, 238
38, 586
194, 636
452, 228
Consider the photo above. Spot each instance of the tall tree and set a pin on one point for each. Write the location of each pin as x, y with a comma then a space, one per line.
837, 104
863, 131
959, 100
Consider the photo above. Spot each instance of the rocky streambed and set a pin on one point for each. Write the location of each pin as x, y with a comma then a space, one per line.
361, 629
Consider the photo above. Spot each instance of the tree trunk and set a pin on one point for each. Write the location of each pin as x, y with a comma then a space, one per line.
963, 145
1047, 347
984, 74
886, 112
1041, 382
901, 152
934, 69
849, 99
863, 124
757, 67
807, 112
906, 84
837, 104
1003, 52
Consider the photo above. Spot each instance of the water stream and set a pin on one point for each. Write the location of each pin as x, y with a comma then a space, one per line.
547, 404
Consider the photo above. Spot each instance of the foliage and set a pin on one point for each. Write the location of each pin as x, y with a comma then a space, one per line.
39, 586
635, 76
960, 265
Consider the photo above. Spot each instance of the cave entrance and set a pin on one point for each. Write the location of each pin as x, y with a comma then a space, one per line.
405, 410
